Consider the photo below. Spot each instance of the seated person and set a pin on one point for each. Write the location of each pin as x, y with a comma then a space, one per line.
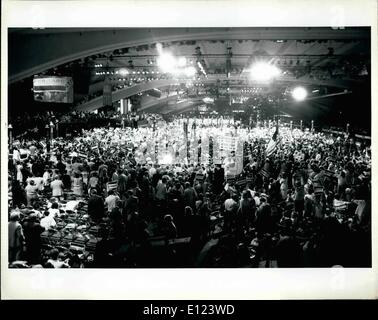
55, 260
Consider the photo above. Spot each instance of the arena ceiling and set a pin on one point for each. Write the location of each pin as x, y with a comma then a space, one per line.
329, 62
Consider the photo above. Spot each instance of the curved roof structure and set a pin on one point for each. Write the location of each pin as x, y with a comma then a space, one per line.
328, 62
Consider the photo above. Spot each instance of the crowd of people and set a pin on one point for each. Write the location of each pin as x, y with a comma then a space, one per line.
168, 195
34, 126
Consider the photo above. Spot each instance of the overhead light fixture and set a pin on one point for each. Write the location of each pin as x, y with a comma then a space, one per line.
299, 93
262, 71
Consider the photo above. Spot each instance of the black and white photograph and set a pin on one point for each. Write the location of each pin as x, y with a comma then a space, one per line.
188, 148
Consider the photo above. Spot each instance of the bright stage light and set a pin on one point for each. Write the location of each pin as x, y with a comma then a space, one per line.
167, 159
181, 62
166, 62
299, 93
159, 48
263, 71
190, 71
123, 72
208, 100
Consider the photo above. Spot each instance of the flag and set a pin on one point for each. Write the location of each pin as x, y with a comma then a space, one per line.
230, 178
113, 185
241, 183
200, 177
273, 143
265, 171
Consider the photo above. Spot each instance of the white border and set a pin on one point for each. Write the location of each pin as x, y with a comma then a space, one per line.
186, 283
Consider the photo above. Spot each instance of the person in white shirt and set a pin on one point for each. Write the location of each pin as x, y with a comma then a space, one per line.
72, 205
54, 210
57, 187
152, 171
38, 181
36, 211
19, 175
46, 177
257, 199
31, 192
161, 190
111, 200
48, 221
24, 153
230, 208
230, 204
32, 149
16, 156
55, 260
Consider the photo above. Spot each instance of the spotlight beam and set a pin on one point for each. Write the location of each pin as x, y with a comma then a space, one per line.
330, 95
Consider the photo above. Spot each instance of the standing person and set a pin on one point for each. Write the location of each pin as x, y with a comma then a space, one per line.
19, 175
102, 173
78, 185
246, 211
16, 156
31, 192
230, 208
25, 172
299, 193
218, 179
287, 249
66, 179
37, 168
18, 194
263, 221
283, 186
47, 176
111, 200
161, 194
190, 196
176, 202
131, 203
93, 181
95, 206
170, 230
308, 202
57, 187
61, 166
32, 232
341, 183
15, 237
318, 208
85, 173
122, 182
